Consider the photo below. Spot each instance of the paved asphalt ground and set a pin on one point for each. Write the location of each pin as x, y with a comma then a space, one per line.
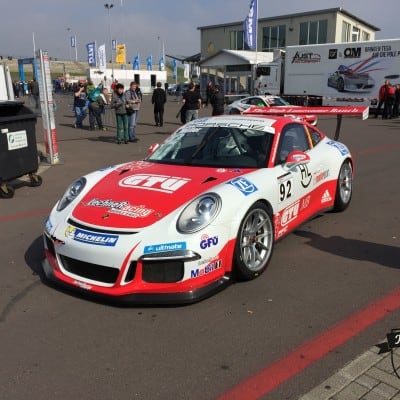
306, 329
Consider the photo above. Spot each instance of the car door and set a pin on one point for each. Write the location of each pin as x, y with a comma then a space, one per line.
295, 184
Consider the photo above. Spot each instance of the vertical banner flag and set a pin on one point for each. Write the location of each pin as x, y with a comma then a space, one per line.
120, 55
136, 63
250, 26
73, 41
101, 55
161, 64
175, 73
186, 71
91, 50
149, 61
113, 44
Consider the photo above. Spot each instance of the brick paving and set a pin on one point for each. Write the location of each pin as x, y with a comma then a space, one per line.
368, 377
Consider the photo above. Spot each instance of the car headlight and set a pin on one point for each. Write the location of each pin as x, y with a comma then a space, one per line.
199, 213
71, 193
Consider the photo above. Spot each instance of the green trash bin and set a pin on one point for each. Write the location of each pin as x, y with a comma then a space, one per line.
18, 149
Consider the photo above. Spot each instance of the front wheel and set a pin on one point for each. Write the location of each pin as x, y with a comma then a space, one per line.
344, 187
254, 243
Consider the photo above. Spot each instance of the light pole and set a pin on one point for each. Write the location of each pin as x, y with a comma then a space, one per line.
109, 6
69, 43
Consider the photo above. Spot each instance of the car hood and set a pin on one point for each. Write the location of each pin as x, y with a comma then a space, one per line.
139, 194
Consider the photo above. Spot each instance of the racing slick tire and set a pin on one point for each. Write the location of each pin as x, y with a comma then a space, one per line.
344, 187
254, 243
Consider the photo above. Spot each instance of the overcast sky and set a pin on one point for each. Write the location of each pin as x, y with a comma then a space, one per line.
145, 25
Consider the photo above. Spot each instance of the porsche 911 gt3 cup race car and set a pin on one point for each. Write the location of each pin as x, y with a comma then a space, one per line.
205, 207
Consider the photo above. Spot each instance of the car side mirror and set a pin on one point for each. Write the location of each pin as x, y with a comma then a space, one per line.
296, 157
153, 148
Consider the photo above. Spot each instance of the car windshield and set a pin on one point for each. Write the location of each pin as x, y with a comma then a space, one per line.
215, 146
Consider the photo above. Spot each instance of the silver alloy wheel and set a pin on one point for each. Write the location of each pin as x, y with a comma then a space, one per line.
256, 240
345, 183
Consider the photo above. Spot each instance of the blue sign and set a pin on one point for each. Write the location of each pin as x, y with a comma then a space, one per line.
159, 248
243, 185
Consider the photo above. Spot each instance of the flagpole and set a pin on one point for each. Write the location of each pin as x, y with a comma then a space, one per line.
34, 45
256, 61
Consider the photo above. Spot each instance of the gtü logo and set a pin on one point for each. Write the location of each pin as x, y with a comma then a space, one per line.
208, 241
159, 183
290, 213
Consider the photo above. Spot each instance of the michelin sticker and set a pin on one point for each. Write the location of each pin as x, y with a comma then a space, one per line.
83, 236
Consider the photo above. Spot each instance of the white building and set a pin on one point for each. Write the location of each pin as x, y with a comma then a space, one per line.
217, 63
146, 80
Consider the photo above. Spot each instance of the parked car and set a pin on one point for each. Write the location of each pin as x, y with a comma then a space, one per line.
171, 89
238, 106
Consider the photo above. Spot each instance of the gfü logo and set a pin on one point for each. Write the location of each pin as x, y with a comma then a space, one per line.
207, 241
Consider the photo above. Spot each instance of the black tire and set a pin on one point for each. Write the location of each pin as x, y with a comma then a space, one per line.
234, 111
340, 85
35, 180
6, 191
254, 243
344, 187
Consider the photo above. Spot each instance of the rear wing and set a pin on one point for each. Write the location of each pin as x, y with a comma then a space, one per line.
339, 111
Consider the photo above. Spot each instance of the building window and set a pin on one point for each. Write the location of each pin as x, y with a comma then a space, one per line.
237, 40
313, 32
365, 36
346, 32
355, 34
274, 37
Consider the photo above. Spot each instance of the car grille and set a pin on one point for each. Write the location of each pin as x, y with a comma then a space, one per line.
90, 271
162, 271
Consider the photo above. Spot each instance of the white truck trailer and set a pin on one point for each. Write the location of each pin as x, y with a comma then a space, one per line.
332, 74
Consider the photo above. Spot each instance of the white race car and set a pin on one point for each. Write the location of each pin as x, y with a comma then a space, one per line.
205, 207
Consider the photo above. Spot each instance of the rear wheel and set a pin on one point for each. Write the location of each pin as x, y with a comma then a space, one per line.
344, 188
254, 243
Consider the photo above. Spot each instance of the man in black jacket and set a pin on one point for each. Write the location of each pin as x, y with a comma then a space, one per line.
192, 102
159, 98
217, 101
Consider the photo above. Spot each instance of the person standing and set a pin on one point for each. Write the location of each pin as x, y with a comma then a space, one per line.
80, 105
133, 104
96, 108
389, 101
159, 98
381, 97
35, 92
209, 92
118, 102
217, 101
192, 102
396, 104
